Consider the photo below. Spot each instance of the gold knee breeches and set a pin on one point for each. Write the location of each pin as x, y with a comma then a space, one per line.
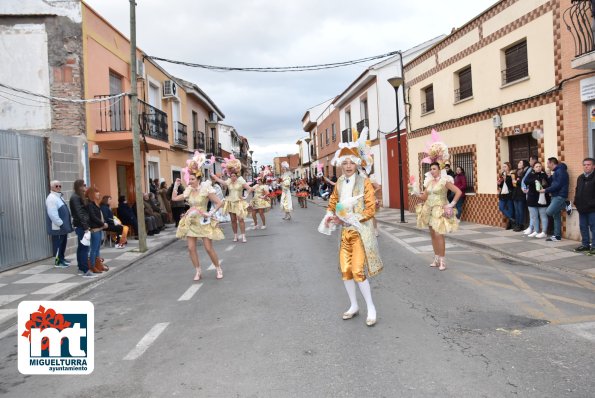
352, 256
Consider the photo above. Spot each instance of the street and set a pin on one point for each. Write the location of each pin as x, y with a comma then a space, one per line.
486, 327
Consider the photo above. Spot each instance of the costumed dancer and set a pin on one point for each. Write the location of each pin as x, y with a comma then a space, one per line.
286, 202
351, 206
234, 203
261, 202
436, 212
219, 216
303, 191
197, 222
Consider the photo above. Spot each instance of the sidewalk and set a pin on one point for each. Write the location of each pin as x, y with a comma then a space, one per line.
42, 281
536, 252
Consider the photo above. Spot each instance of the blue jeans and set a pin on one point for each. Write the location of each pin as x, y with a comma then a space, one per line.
459, 207
553, 210
519, 211
587, 223
59, 246
95, 245
536, 214
82, 251
506, 207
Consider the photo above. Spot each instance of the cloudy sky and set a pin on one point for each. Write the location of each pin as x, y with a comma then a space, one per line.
267, 108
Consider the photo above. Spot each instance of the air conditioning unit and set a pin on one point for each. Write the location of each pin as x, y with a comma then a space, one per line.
213, 117
140, 69
170, 89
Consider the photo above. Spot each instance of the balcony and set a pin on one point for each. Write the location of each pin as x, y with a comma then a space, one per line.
427, 107
199, 141
361, 124
180, 134
218, 150
515, 72
463, 93
115, 122
579, 21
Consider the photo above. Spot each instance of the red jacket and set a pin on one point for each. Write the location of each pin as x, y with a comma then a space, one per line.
461, 183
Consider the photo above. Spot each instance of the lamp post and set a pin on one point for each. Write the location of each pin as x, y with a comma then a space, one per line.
251, 167
396, 82
308, 143
255, 169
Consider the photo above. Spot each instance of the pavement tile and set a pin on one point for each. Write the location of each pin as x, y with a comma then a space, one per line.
7, 313
55, 288
37, 269
45, 278
495, 241
8, 298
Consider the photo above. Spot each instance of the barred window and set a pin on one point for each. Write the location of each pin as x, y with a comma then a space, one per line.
465, 161
334, 133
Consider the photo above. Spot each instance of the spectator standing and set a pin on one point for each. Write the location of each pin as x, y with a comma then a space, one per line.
164, 201
58, 223
558, 189
505, 194
519, 197
96, 225
177, 206
113, 223
153, 221
461, 183
449, 194
584, 200
532, 160
534, 182
80, 220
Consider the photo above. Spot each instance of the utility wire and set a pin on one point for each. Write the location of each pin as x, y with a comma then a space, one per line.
59, 99
277, 69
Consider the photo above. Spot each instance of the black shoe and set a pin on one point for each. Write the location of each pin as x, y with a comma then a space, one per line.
151, 233
582, 248
509, 225
518, 228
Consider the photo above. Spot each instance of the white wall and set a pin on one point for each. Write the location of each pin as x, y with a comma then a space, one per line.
66, 8
225, 137
27, 70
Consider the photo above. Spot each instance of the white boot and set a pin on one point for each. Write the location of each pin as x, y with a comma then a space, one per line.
354, 309
364, 287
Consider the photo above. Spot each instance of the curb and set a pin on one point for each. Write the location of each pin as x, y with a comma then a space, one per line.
88, 285
490, 249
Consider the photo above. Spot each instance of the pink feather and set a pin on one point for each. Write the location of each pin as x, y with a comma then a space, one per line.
411, 180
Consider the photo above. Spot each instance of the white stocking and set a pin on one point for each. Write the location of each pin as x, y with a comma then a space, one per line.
350, 287
364, 287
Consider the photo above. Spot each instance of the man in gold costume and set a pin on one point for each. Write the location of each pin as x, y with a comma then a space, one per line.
358, 253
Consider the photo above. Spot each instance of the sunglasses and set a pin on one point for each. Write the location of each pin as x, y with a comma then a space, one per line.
58, 186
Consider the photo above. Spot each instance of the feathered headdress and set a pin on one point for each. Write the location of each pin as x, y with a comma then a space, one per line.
264, 174
358, 151
231, 165
319, 166
285, 165
436, 150
194, 166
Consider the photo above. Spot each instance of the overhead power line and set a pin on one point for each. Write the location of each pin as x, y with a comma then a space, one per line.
277, 69
60, 99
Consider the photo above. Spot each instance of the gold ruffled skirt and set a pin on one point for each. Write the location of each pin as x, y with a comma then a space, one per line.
258, 203
190, 226
433, 216
238, 207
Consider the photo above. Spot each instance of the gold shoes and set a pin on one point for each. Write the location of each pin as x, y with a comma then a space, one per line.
349, 315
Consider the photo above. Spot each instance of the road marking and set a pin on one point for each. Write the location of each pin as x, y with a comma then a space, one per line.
190, 292
574, 319
146, 341
586, 330
229, 248
584, 283
552, 280
212, 266
569, 300
400, 242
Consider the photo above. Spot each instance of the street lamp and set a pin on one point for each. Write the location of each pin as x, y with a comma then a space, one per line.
396, 82
255, 169
308, 143
251, 167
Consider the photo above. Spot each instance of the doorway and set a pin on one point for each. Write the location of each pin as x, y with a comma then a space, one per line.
521, 147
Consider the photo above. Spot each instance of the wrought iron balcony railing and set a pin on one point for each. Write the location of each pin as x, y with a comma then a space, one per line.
199, 140
115, 117
218, 151
461, 94
180, 134
153, 121
580, 22
361, 124
346, 135
427, 107
210, 146
515, 72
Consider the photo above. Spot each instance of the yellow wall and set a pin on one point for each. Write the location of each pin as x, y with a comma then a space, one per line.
486, 66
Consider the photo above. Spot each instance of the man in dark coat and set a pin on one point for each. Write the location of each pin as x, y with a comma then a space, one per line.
584, 200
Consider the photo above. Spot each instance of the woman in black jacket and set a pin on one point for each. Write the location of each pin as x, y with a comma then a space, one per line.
534, 182
97, 225
505, 189
80, 221
519, 198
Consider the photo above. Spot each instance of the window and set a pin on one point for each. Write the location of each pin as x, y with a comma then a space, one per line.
428, 97
320, 140
516, 65
348, 120
116, 108
364, 109
326, 136
465, 89
465, 160
334, 132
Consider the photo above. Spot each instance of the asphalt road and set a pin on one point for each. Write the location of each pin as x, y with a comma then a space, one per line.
486, 327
